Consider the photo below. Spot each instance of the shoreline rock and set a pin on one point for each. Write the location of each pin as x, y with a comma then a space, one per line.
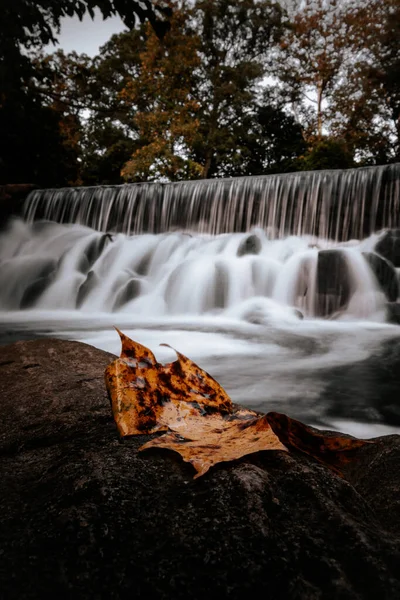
84, 516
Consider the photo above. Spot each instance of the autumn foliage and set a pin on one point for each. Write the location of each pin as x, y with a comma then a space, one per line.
198, 417
166, 109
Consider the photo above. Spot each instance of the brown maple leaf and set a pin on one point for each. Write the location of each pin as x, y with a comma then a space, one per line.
331, 449
185, 400
199, 418
146, 395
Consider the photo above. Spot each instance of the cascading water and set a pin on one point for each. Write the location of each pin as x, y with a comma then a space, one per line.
336, 205
50, 266
252, 277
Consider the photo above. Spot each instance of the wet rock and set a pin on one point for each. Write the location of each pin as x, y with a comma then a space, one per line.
333, 282
33, 291
393, 312
388, 246
385, 273
86, 517
143, 266
128, 292
91, 281
95, 249
250, 245
366, 390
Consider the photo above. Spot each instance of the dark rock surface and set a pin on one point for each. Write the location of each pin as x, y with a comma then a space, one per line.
45, 276
128, 292
366, 390
96, 247
385, 273
86, 517
333, 282
393, 312
250, 245
388, 246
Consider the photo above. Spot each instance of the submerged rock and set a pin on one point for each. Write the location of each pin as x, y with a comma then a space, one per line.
128, 292
33, 291
96, 247
85, 517
250, 245
92, 280
365, 390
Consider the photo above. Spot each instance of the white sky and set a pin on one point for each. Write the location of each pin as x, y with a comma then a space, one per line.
86, 36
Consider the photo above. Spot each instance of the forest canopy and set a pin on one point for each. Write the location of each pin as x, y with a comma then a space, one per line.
199, 89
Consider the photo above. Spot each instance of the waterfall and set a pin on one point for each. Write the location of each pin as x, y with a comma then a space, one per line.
284, 287
51, 266
334, 204
303, 242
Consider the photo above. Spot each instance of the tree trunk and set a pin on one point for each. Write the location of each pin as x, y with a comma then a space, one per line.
319, 110
207, 164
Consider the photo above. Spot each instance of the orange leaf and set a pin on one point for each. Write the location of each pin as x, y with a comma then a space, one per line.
199, 418
185, 400
146, 395
328, 448
207, 440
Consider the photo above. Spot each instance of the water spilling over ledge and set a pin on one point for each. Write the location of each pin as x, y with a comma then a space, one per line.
334, 204
254, 278
247, 276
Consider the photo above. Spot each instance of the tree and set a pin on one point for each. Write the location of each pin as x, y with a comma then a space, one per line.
368, 101
327, 153
151, 99
32, 144
314, 53
110, 136
237, 39
278, 142
199, 120
165, 105
88, 90
35, 23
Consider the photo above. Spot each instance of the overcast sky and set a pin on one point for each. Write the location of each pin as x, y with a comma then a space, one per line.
86, 36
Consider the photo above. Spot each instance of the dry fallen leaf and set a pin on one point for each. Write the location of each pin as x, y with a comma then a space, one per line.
198, 416
334, 451
146, 395
207, 440
180, 397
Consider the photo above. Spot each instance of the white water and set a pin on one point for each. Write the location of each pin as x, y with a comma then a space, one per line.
237, 316
332, 204
48, 266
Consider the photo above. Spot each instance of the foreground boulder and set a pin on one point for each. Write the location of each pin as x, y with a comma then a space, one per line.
84, 516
